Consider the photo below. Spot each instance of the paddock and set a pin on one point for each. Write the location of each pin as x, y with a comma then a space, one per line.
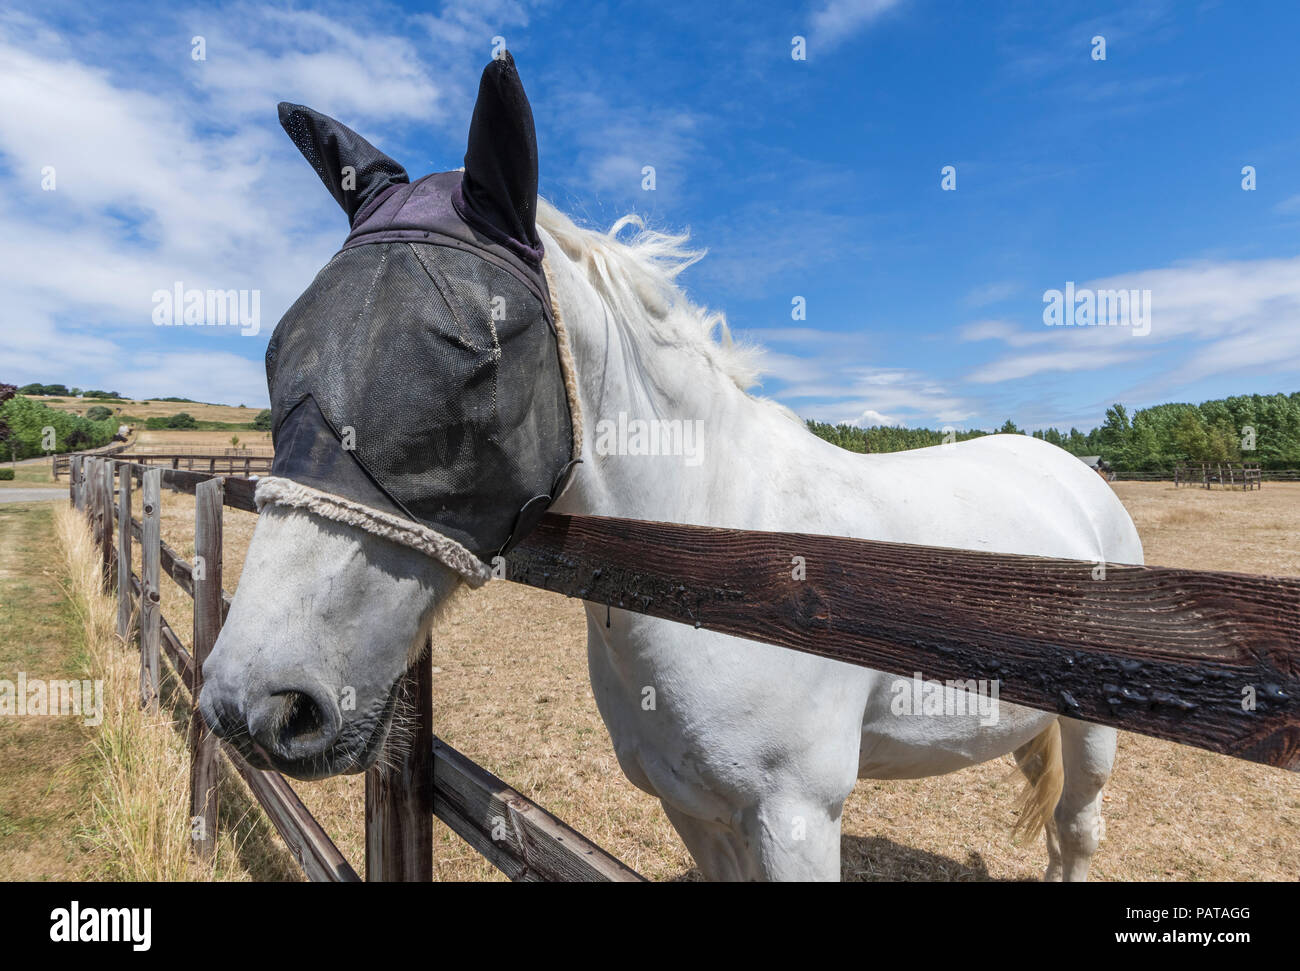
511, 691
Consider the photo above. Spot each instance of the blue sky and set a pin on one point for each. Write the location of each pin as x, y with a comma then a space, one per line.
818, 178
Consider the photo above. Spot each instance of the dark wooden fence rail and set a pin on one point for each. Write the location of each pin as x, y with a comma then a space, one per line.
1163, 652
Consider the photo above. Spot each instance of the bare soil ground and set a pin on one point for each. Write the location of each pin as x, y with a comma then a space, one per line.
511, 691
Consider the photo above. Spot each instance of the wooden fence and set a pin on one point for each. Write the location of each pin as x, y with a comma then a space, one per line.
1246, 476
229, 461
431, 778
1197, 657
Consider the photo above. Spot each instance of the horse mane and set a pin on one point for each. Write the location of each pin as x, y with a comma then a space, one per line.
641, 275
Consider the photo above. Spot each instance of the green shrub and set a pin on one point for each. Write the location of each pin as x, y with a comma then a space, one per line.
6, 475
28, 419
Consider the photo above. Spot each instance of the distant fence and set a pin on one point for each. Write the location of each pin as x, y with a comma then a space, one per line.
231, 461
1197, 657
1245, 476
1191, 474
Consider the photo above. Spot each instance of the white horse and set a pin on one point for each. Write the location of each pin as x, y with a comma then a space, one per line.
751, 749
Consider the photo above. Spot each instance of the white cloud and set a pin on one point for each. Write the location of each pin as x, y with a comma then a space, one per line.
990, 293
181, 173
871, 417
840, 394
616, 142
838, 20
1026, 365
1015, 335
1207, 319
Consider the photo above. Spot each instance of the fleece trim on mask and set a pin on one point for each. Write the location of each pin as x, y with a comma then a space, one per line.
566, 367
274, 490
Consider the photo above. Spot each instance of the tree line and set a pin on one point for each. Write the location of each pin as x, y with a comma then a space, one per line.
29, 428
1243, 428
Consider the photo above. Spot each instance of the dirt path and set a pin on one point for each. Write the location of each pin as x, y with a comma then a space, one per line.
32, 495
43, 775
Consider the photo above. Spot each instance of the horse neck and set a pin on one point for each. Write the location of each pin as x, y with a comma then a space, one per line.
629, 372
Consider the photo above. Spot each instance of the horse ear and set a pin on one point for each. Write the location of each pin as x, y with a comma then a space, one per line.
352, 169
499, 186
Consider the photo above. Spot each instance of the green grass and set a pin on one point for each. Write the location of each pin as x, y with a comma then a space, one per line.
28, 476
44, 766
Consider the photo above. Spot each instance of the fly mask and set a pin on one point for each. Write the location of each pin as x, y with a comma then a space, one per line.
422, 388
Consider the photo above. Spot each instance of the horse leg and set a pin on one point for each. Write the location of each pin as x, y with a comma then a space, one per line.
780, 839
1087, 755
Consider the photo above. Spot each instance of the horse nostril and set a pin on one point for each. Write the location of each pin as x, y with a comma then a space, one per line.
304, 719
295, 725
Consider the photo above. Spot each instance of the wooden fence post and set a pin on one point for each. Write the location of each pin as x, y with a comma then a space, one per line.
150, 589
106, 522
124, 552
94, 482
204, 748
72, 481
399, 799
85, 488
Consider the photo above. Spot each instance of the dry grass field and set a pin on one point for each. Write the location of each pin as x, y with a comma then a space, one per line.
189, 441
511, 691
156, 409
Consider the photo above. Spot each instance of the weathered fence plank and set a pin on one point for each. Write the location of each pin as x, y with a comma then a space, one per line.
124, 554
238, 492
518, 837
181, 571
230, 464
399, 798
1178, 654
106, 497
207, 625
150, 587
304, 837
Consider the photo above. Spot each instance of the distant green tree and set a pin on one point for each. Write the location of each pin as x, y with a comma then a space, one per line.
1251, 428
28, 420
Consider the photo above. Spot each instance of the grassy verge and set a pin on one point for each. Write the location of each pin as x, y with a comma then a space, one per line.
44, 774
27, 476
137, 815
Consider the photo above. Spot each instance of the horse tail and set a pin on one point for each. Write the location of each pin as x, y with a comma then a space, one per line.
1040, 760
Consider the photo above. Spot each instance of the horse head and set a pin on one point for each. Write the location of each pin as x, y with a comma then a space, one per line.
423, 422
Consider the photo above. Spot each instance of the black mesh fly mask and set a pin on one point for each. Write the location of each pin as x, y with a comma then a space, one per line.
422, 387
